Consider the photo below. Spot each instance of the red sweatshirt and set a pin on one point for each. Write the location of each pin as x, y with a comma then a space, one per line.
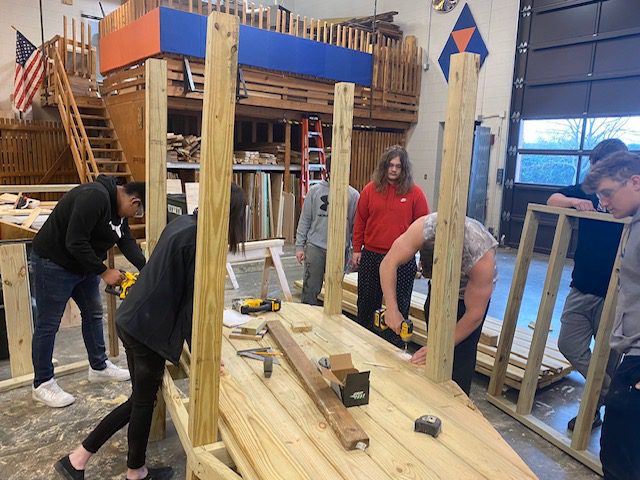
382, 217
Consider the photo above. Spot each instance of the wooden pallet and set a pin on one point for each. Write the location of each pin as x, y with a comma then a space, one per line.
554, 366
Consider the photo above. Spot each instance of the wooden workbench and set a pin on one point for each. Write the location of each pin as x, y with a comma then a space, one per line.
468, 447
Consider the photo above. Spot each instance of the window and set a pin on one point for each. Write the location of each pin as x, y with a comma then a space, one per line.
556, 151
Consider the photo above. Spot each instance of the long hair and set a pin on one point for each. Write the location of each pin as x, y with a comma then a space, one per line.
237, 207
236, 219
379, 177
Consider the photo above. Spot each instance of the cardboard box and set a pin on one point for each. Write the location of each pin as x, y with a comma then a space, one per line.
351, 385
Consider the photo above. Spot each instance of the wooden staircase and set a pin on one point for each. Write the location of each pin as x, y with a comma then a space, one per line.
93, 140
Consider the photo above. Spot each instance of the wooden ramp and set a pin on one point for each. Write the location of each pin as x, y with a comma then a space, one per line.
267, 423
554, 366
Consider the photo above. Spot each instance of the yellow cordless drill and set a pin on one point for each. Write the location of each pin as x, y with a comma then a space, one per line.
122, 290
256, 305
406, 327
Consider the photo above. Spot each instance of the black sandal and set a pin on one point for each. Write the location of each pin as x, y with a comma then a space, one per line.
159, 473
64, 468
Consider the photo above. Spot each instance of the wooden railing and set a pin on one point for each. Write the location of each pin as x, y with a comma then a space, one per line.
34, 152
72, 121
78, 58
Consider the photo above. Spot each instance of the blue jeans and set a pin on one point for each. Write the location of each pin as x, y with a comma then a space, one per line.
54, 286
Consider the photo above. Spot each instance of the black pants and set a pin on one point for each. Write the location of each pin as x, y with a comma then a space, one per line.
464, 354
147, 370
370, 292
620, 438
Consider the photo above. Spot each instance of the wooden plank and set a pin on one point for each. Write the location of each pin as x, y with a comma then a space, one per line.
339, 195
212, 240
599, 358
155, 149
512, 311
454, 185
557, 257
61, 188
114, 347
27, 379
346, 428
17, 305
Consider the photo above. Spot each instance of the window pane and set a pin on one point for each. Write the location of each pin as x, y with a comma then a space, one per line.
626, 129
547, 169
560, 134
584, 169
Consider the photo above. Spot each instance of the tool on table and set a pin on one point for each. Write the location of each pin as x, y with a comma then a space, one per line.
122, 290
406, 327
255, 305
429, 424
260, 354
268, 366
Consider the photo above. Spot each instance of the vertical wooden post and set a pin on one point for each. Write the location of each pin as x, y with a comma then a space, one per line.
516, 292
17, 306
155, 149
155, 120
287, 157
221, 67
599, 359
454, 185
557, 257
338, 195
114, 347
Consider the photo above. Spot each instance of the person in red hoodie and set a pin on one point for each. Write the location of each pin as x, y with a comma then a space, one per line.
388, 205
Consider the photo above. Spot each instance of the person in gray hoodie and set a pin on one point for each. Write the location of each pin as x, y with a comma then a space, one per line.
616, 182
311, 235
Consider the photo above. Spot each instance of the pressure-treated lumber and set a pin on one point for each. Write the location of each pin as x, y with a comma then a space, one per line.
558, 254
155, 149
17, 305
212, 239
156, 189
599, 358
454, 185
338, 195
347, 429
24, 380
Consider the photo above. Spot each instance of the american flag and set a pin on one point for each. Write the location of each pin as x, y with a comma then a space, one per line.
29, 73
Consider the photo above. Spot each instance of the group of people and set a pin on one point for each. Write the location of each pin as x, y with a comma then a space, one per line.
388, 223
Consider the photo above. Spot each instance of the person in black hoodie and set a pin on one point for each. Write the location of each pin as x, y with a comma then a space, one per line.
153, 323
67, 262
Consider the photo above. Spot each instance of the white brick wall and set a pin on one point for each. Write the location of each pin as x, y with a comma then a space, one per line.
25, 16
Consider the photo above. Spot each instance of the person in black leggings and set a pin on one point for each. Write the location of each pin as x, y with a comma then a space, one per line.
153, 323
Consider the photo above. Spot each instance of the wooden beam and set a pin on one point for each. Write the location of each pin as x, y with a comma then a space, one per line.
557, 257
350, 434
221, 68
114, 347
599, 358
454, 186
24, 380
287, 157
516, 293
155, 149
53, 188
17, 306
339, 195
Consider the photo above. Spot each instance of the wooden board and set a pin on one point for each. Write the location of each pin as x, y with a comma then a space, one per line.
348, 431
468, 446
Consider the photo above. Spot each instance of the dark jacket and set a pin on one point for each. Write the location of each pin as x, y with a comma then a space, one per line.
158, 309
84, 226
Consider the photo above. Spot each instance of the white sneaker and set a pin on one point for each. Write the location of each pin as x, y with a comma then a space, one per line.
52, 395
110, 374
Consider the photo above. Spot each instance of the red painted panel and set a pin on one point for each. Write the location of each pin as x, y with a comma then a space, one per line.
136, 41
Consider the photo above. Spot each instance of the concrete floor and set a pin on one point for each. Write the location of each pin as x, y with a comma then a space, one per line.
33, 437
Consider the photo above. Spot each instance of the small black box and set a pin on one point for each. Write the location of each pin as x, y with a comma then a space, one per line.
351, 385
176, 205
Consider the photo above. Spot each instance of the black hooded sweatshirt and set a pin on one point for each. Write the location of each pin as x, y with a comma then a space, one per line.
158, 309
84, 226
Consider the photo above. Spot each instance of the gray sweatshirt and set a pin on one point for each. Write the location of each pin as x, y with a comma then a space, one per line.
314, 219
625, 337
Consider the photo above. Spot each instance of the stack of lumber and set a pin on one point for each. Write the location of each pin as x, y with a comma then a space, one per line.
31, 217
245, 157
276, 149
383, 24
183, 148
554, 366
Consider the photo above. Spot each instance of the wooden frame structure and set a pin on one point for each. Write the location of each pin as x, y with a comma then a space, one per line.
521, 411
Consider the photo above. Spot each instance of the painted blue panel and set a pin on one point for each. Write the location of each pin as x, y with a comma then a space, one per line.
184, 33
